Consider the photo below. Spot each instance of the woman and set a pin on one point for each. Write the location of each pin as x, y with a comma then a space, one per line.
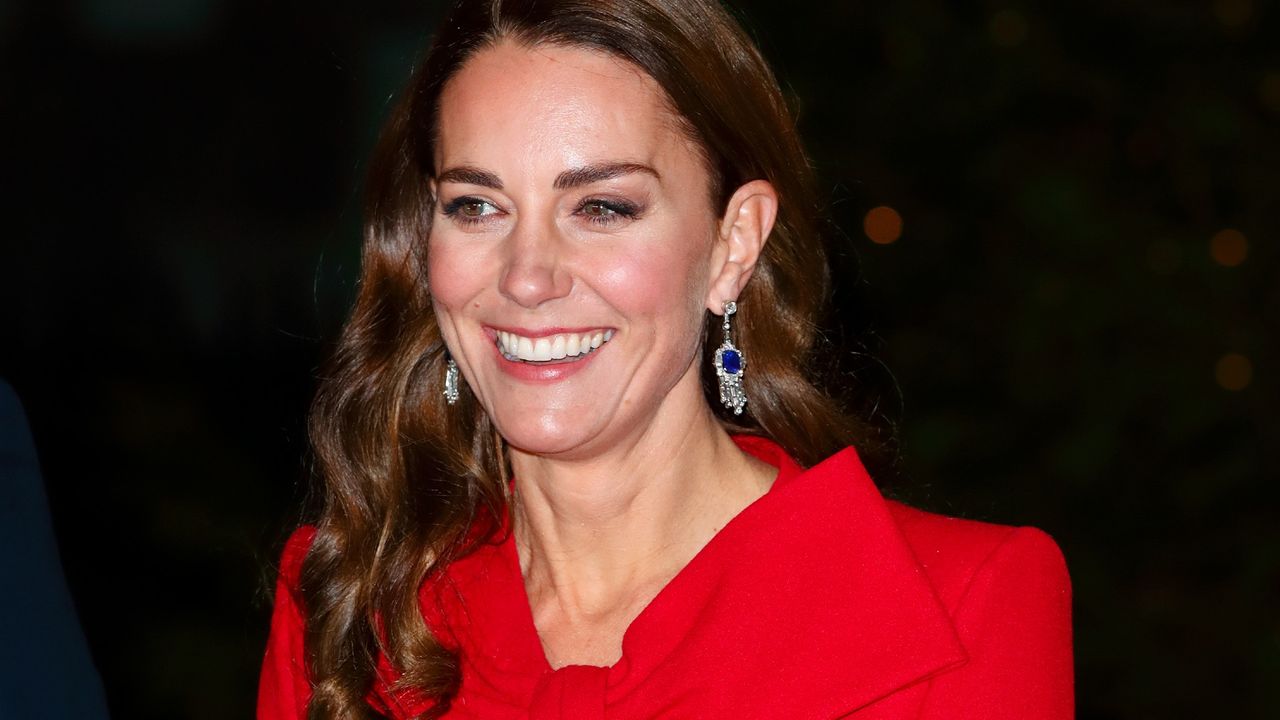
565, 434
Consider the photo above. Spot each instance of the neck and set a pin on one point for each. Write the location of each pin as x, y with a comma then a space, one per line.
598, 535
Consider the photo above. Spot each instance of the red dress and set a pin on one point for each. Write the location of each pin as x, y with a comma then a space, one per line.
820, 600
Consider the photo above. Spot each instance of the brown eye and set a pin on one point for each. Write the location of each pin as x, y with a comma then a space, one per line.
597, 209
473, 208
607, 212
469, 209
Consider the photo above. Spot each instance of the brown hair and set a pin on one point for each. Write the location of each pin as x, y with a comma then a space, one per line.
411, 484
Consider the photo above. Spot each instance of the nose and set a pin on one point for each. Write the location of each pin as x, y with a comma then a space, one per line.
534, 272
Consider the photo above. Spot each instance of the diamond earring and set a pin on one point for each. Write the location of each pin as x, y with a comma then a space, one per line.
451, 382
730, 366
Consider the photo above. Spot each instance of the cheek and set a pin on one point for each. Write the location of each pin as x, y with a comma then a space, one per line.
454, 273
663, 281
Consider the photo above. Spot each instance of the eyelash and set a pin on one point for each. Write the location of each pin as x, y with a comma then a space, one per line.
453, 209
617, 209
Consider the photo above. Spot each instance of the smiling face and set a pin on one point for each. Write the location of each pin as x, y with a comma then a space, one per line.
573, 247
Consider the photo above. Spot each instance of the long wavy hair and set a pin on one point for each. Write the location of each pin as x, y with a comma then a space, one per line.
411, 484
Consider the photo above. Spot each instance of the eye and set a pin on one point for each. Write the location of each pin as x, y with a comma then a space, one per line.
597, 209
607, 212
469, 210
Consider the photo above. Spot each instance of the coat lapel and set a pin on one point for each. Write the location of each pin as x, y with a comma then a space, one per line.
808, 604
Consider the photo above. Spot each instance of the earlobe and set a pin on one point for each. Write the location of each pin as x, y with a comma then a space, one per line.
744, 229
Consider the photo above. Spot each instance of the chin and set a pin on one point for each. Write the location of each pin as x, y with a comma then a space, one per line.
552, 433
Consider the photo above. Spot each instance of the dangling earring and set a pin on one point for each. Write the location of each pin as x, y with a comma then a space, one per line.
451, 382
730, 366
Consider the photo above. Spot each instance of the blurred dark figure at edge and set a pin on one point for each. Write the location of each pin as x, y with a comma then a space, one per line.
45, 668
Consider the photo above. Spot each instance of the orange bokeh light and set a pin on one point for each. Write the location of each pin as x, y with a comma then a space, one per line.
883, 225
1228, 247
1234, 371
1008, 28
1269, 91
1233, 13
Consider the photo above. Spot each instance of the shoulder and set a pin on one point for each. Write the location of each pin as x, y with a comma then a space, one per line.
15, 436
284, 688
1008, 595
294, 553
956, 553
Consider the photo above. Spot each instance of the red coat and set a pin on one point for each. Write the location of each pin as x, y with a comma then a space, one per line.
820, 600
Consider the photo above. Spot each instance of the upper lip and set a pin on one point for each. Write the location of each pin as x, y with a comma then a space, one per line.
546, 331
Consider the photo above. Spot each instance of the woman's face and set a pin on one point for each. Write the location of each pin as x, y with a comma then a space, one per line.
572, 249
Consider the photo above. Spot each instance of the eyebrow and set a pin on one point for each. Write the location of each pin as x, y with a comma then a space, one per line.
566, 180
595, 173
470, 176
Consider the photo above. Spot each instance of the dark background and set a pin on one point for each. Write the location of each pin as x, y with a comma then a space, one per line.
1073, 348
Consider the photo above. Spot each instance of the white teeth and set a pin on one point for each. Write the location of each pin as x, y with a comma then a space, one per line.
542, 349
553, 347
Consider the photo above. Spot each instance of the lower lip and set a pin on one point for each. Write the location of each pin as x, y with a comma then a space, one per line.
543, 373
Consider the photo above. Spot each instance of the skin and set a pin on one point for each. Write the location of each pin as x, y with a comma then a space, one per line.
600, 527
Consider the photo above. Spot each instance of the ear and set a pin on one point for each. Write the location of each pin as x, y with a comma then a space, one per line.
747, 222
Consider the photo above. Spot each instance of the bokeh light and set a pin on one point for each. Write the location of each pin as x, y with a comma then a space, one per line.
1008, 28
1234, 372
1233, 13
1269, 91
1228, 247
883, 225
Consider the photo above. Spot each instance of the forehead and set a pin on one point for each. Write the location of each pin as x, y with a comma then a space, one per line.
556, 106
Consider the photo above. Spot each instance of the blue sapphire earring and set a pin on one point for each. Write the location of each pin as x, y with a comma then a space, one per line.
730, 366
451, 382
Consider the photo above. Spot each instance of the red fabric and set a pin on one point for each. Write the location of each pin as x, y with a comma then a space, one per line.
820, 600
283, 689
